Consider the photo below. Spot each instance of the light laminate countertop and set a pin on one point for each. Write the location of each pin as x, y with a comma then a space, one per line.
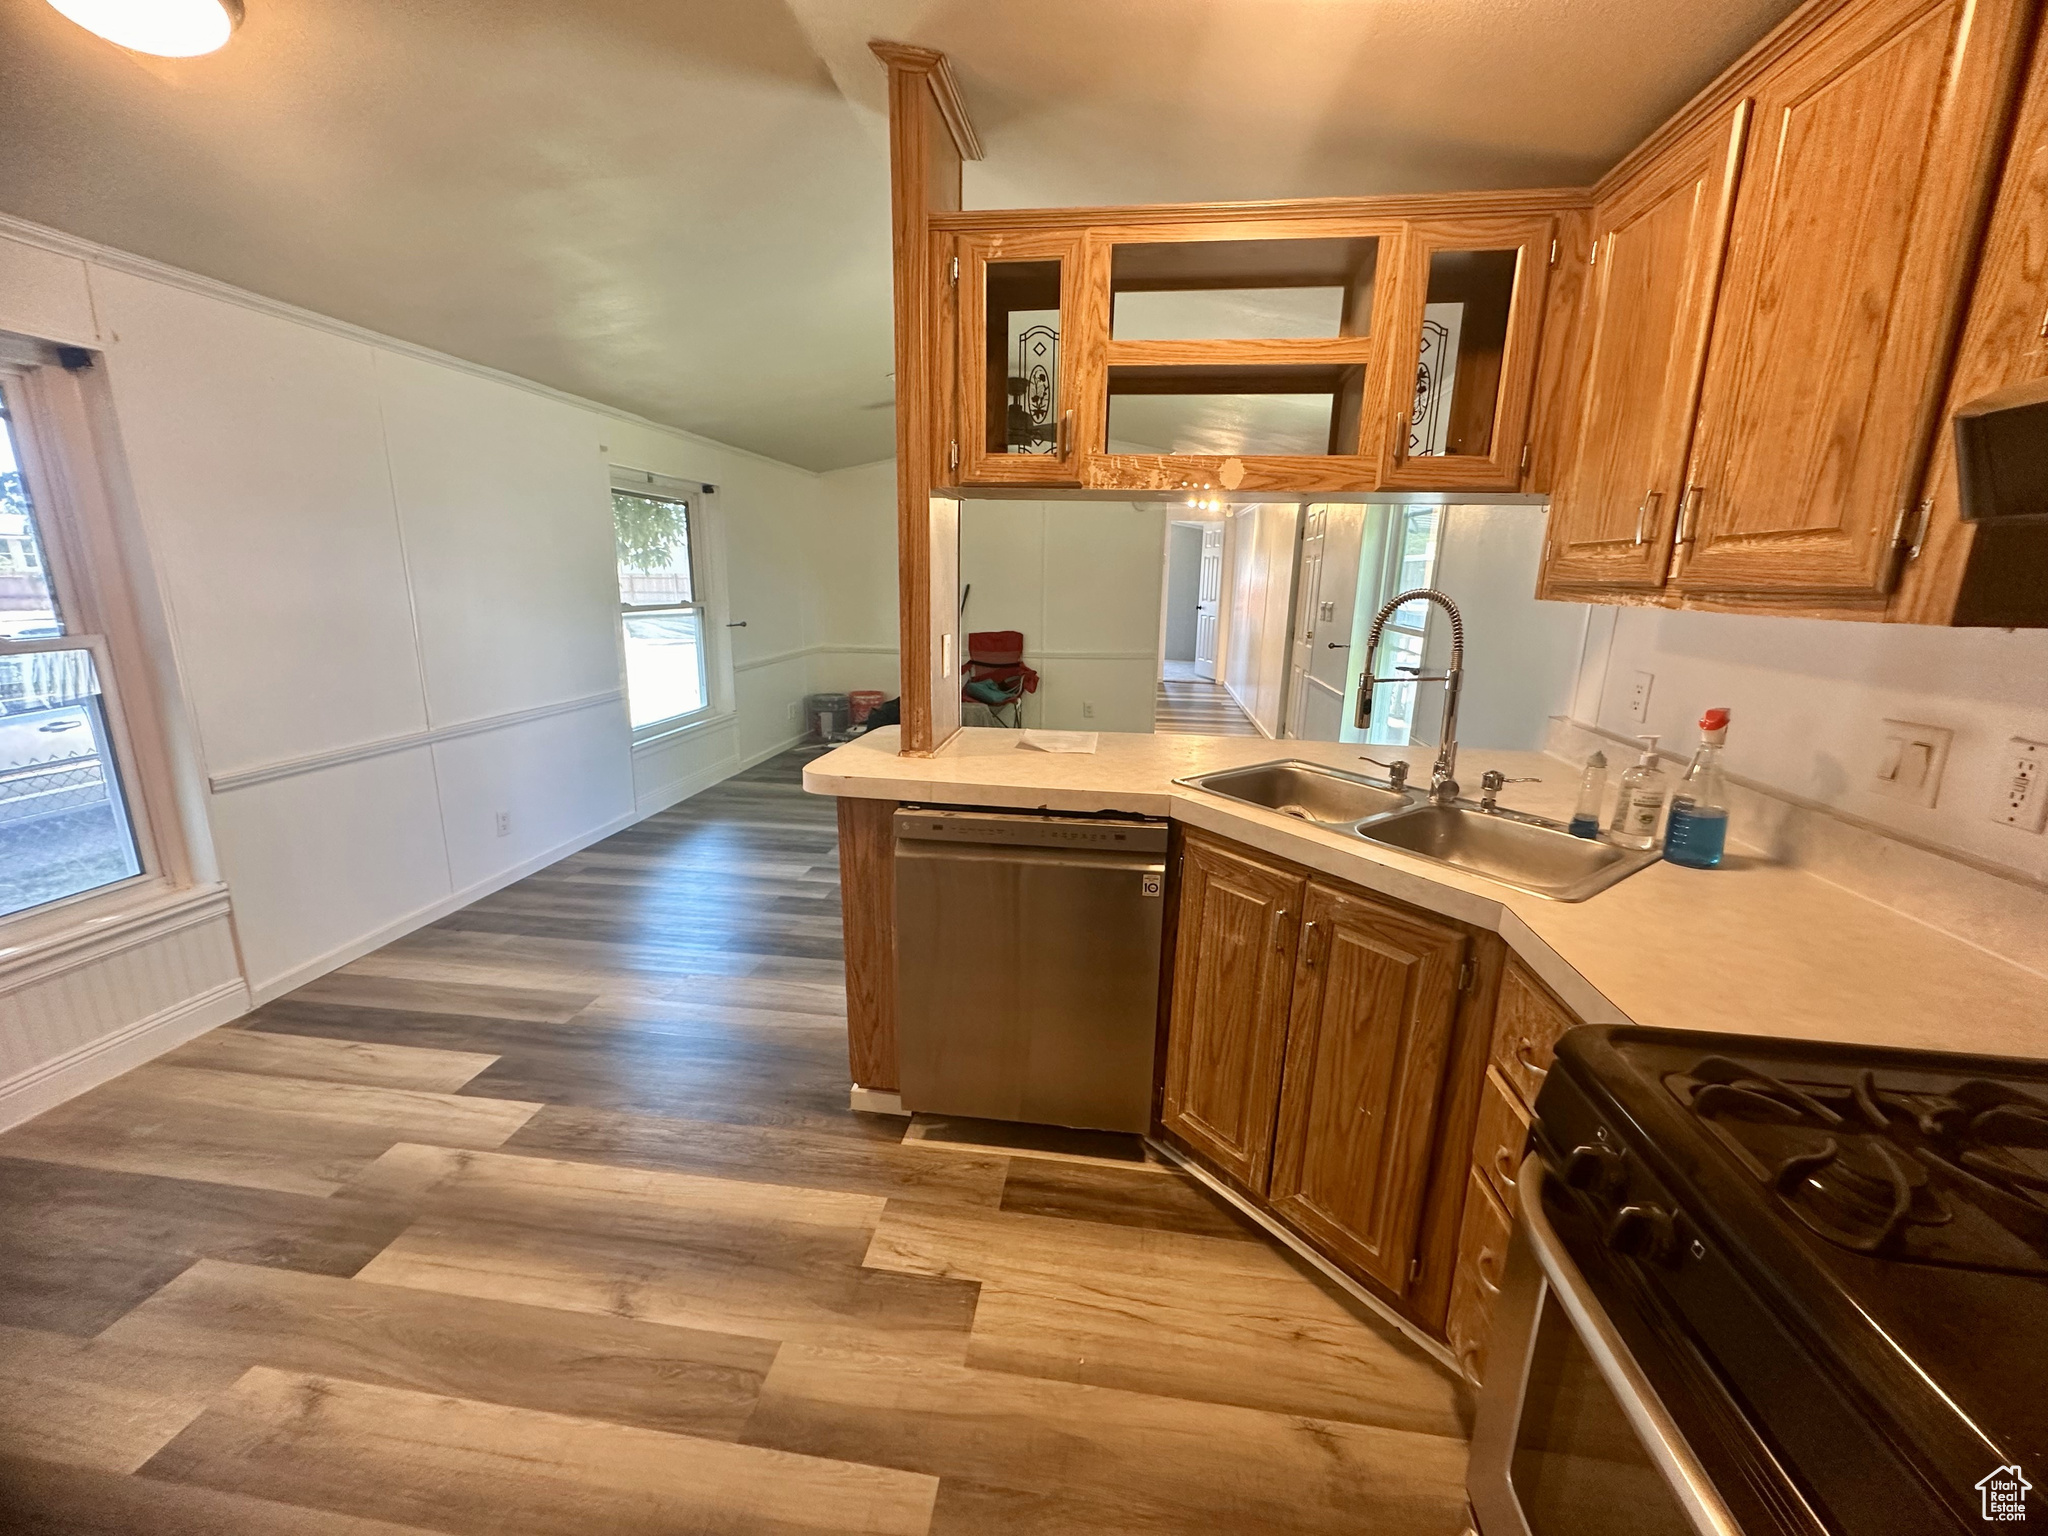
1754, 947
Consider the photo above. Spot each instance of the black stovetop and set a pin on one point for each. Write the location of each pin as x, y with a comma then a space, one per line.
1889, 1208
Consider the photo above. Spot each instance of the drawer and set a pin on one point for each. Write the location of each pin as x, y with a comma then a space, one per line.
1526, 1030
1482, 1257
1502, 1137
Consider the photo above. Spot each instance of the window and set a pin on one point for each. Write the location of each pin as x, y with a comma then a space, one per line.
65, 827
1411, 563
661, 607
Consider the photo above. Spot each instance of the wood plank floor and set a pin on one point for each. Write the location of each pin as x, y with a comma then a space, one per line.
1191, 707
551, 1218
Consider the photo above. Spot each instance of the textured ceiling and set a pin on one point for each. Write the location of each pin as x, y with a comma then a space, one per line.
680, 206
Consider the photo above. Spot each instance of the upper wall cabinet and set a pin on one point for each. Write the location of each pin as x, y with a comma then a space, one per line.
1656, 261
1461, 352
1025, 338
1851, 254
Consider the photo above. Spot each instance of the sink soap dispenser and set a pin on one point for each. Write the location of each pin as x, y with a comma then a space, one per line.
1641, 801
1592, 790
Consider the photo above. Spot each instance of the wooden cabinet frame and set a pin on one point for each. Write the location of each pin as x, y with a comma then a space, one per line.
1082, 325
1501, 467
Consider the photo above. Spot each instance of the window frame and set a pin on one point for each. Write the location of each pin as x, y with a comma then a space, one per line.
691, 496
58, 520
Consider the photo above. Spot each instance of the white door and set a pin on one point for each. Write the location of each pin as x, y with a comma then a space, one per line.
1302, 653
1209, 602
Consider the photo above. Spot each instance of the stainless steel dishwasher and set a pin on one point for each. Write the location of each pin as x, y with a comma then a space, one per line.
1027, 965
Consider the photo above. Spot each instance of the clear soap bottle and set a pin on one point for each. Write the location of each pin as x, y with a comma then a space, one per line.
1641, 800
1592, 790
1698, 834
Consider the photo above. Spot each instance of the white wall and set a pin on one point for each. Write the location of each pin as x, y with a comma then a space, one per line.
1081, 580
1521, 655
1809, 697
388, 582
853, 622
1259, 596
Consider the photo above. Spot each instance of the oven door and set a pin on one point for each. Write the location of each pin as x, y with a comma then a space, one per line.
1570, 1438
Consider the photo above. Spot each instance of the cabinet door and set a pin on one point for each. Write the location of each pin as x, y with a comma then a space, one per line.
1466, 317
1482, 1262
1375, 996
1233, 966
1853, 238
1028, 371
1527, 1026
1657, 248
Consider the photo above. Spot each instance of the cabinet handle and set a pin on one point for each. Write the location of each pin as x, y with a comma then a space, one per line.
1066, 434
1645, 511
1688, 512
1308, 950
1280, 929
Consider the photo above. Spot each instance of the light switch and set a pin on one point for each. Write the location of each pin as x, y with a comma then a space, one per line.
1910, 760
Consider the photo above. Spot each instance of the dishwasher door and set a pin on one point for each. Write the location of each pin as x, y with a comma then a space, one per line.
1027, 966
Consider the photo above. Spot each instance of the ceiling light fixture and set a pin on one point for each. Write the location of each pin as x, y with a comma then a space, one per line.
172, 29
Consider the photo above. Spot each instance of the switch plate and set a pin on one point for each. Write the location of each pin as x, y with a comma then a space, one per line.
2023, 786
1911, 759
1639, 698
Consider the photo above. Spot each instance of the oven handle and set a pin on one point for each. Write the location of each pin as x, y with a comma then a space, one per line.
1661, 1437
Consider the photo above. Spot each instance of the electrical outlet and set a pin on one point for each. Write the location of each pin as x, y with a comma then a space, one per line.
2023, 786
504, 823
796, 710
1639, 698
1087, 709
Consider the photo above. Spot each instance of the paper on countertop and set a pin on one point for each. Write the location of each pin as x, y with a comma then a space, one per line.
1058, 741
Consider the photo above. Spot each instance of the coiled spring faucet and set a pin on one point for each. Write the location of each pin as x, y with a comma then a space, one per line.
1443, 782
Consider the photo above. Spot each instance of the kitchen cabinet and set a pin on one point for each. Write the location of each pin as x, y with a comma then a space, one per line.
1238, 925
1482, 1259
1528, 1023
1527, 1028
1462, 336
1376, 992
1027, 337
1849, 260
1325, 1049
1641, 346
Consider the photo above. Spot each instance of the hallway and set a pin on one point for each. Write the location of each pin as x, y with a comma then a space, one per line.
1190, 706
550, 1219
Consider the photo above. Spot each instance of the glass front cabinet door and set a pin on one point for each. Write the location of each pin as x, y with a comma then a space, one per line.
1461, 361
1020, 415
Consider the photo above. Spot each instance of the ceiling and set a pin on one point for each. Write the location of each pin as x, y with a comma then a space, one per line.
679, 207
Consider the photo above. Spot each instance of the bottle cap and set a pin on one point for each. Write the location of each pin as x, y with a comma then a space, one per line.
1714, 720
1597, 760
1649, 756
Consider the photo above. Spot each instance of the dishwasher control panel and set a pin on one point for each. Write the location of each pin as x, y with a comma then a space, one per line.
1028, 830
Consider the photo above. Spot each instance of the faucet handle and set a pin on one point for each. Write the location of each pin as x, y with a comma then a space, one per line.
1492, 782
1397, 771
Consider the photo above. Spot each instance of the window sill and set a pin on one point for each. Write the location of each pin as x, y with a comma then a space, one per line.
41, 943
665, 731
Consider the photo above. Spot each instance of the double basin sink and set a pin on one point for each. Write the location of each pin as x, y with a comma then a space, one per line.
1525, 853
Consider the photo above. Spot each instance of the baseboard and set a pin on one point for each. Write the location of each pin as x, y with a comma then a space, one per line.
696, 783
49, 1084
876, 1101
1434, 1348
676, 791
291, 980
1246, 710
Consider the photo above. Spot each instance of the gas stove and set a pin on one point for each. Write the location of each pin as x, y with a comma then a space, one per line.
1835, 1258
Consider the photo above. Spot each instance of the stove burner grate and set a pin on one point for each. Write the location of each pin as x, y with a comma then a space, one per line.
1933, 1174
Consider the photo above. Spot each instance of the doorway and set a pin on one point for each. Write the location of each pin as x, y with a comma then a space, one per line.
1192, 698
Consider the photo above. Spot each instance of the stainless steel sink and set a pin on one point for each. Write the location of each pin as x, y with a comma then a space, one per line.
1307, 792
1529, 855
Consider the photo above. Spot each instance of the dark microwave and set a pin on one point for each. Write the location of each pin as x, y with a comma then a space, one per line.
2002, 455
